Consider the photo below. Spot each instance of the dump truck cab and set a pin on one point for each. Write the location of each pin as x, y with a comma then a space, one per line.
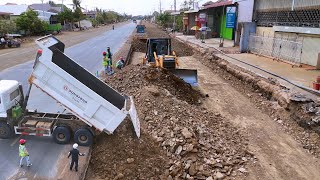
11, 97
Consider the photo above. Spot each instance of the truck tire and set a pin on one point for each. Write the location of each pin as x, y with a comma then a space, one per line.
61, 135
83, 137
5, 130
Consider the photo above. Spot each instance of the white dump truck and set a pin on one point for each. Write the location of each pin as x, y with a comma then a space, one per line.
94, 105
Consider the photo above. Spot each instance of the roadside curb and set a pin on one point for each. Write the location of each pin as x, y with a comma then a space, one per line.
84, 175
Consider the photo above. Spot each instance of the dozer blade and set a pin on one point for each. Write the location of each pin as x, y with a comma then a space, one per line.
188, 75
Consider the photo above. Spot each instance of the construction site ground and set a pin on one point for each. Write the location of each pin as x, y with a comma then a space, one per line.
304, 75
223, 129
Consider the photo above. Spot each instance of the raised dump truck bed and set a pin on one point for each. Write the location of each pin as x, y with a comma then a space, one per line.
94, 105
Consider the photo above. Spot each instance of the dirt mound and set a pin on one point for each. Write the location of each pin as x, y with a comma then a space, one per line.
139, 45
181, 49
179, 139
122, 155
135, 77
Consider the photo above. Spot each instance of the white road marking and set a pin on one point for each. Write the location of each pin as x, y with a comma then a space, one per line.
22, 52
5, 53
15, 141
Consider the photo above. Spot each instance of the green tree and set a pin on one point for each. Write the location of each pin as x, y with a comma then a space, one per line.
7, 26
179, 22
163, 19
29, 22
77, 14
52, 3
66, 16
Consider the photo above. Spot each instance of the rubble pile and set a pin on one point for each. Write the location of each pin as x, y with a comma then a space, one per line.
180, 139
198, 143
135, 77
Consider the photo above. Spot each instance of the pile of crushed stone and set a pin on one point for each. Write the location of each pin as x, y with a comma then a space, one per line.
180, 139
134, 77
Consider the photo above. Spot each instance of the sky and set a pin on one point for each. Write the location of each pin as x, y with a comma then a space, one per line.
134, 7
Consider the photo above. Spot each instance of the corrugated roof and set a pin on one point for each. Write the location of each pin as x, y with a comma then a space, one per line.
14, 9
5, 13
41, 7
218, 4
45, 7
192, 11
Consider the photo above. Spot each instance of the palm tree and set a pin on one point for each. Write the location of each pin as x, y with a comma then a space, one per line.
76, 4
77, 10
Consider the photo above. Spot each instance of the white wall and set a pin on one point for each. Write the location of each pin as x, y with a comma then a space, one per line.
245, 11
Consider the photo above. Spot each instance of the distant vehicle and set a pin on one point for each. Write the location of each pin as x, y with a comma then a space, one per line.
134, 21
13, 40
140, 28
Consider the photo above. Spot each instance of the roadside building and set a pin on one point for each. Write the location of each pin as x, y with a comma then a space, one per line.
14, 10
190, 19
46, 8
5, 16
90, 14
293, 29
216, 16
49, 17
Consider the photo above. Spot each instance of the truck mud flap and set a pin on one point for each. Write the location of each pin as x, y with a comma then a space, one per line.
188, 75
134, 117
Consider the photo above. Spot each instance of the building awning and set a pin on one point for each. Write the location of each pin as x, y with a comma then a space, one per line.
5, 13
175, 13
192, 11
218, 4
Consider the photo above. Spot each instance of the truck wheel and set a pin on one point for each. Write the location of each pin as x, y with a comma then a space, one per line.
5, 130
83, 137
61, 135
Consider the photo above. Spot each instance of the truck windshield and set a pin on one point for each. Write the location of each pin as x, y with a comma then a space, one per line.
14, 94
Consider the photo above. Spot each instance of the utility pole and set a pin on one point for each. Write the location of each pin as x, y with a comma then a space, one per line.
62, 6
292, 7
160, 7
174, 16
42, 8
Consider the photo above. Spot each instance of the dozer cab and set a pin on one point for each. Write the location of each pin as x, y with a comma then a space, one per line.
160, 54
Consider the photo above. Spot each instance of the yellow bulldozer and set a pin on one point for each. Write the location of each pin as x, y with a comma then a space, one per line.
159, 53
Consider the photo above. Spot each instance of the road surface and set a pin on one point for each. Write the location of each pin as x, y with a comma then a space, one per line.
44, 153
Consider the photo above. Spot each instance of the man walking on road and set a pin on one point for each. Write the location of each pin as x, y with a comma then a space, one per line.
74, 153
23, 153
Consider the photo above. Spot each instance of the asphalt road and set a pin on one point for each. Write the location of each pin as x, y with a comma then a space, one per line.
44, 153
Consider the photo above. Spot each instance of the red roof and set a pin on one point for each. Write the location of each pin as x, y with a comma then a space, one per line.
218, 4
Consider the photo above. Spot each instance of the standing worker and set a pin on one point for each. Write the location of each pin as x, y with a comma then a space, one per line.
109, 57
23, 153
74, 153
105, 62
